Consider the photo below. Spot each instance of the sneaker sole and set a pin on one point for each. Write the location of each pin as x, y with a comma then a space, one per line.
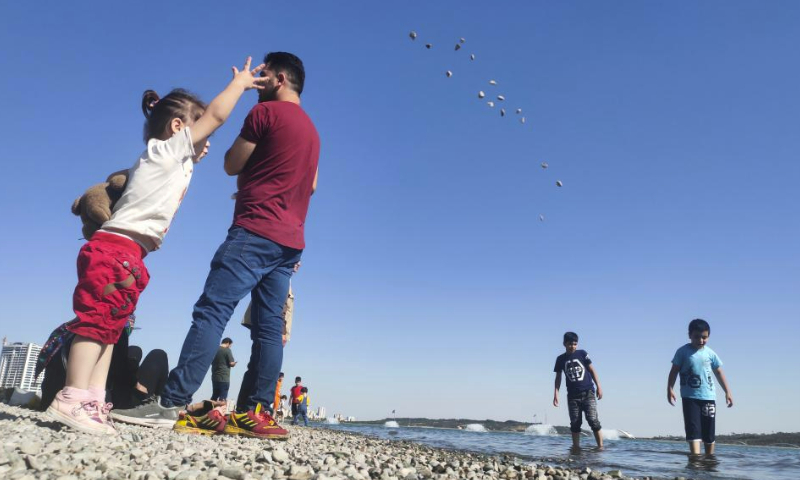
194, 431
68, 421
247, 433
144, 422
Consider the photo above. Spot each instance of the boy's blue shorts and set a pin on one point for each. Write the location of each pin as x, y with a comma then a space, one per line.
699, 419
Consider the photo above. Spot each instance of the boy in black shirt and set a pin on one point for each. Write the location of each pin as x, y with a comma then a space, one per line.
580, 389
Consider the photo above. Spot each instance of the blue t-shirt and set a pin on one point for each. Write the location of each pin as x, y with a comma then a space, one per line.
575, 368
697, 371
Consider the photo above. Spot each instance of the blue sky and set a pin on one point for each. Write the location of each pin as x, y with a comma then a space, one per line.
428, 284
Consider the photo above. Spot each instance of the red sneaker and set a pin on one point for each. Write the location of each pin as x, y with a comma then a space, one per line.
256, 423
207, 421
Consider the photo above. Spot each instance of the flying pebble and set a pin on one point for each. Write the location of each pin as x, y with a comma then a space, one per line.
558, 183
502, 112
541, 217
501, 98
448, 73
492, 82
481, 94
472, 57
428, 46
491, 104
462, 40
522, 120
545, 165
458, 47
519, 110
413, 35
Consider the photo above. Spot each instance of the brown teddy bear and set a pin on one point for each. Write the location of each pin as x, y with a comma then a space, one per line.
95, 205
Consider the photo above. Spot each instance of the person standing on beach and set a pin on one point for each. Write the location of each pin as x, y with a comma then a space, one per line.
275, 157
277, 402
295, 393
581, 398
111, 269
698, 365
302, 407
221, 370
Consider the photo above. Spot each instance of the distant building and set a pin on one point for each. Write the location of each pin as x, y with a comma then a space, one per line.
321, 412
17, 366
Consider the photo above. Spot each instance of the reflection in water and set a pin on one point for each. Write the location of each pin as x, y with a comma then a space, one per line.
703, 463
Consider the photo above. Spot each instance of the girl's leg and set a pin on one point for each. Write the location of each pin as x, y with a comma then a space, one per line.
99, 377
83, 357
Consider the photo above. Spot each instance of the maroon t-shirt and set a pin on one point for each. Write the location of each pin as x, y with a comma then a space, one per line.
275, 184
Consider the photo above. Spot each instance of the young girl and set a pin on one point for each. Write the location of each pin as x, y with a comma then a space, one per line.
111, 273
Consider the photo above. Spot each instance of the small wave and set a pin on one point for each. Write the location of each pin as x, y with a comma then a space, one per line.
475, 427
541, 430
331, 421
610, 434
391, 424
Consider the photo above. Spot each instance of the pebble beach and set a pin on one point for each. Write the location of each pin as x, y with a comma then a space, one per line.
34, 447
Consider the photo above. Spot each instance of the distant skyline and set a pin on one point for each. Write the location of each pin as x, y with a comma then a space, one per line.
429, 285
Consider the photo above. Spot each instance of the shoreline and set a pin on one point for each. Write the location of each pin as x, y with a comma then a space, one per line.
34, 447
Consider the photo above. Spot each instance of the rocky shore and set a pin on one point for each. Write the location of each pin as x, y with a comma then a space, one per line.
33, 447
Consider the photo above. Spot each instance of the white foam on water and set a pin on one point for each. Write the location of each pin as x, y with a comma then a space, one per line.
475, 427
610, 434
541, 430
391, 424
331, 421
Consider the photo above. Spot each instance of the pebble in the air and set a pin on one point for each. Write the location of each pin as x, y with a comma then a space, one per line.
519, 110
458, 47
472, 57
481, 94
522, 120
413, 35
502, 112
448, 73
492, 82
501, 98
544, 165
541, 217
491, 104
428, 46
558, 183
462, 40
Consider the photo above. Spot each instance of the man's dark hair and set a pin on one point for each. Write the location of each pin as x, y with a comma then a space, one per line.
289, 65
280, 375
699, 325
570, 337
304, 390
227, 340
297, 379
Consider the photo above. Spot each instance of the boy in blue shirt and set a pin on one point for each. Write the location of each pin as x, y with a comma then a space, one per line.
696, 363
581, 398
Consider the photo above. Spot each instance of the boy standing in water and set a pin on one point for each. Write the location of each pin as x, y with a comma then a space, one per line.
580, 389
696, 363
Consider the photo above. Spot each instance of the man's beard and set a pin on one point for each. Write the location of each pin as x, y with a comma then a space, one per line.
267, 95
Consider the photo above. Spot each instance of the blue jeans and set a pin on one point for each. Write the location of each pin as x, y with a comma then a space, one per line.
301, 413
219, 390
244, 263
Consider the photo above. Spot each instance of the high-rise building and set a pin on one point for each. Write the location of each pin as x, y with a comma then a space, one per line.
321, 412
17, 366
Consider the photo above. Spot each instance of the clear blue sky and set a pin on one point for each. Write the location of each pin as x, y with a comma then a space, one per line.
429, 285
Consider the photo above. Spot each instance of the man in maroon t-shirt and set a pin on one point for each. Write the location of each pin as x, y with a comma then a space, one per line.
275, 158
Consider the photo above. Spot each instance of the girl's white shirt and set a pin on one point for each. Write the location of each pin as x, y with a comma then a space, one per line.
157, 183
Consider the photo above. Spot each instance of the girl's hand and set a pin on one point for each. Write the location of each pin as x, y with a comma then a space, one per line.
247, 78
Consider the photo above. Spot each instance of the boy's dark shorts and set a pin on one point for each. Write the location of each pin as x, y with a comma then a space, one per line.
583, 402
699, 419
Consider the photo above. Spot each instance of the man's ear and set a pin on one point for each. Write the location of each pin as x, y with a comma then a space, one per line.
281, 78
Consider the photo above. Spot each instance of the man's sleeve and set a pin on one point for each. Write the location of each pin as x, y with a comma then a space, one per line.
586, 358
715, 362
256, 123
677, 360
230, 357
557, 367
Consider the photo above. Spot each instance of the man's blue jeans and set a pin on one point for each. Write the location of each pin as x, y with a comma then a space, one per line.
219, 390
244, 263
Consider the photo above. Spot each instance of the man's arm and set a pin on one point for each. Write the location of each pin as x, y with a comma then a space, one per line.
237, 156
593, 372
231, 361
673, 375
558, 386
724, 382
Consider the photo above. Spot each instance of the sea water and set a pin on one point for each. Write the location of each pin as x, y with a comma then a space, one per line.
636, 458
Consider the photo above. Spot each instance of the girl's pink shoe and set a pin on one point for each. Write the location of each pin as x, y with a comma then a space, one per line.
81, 415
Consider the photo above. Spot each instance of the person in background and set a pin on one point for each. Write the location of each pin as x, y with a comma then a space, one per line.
221, 370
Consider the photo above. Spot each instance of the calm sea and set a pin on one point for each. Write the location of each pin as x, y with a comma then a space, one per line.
633, 457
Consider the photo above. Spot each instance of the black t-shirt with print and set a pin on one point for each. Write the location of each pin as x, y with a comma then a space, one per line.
576, 371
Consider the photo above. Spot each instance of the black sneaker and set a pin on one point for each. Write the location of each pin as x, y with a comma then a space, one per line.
148, 414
